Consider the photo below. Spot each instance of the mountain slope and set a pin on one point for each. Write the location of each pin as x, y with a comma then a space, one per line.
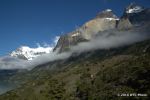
100, 75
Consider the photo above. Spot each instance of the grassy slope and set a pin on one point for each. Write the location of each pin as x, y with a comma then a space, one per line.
99, 75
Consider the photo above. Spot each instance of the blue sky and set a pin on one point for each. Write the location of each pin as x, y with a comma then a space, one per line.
27, 22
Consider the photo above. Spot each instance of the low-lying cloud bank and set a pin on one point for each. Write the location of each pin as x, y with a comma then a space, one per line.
103, 41
8, 62
111, 40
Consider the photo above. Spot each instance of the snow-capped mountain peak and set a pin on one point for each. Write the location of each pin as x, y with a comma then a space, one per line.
107, 10
107, 13
133, 8
27, 53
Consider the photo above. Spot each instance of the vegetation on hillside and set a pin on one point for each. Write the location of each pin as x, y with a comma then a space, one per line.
96, 75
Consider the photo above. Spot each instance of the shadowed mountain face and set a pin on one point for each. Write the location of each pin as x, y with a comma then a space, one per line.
137, 15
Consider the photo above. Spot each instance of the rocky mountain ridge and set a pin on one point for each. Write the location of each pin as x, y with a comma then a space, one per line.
106, 20
133, 16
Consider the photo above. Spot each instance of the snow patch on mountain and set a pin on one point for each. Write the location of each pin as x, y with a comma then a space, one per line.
110, 19
76, 34
133, 8
108, 10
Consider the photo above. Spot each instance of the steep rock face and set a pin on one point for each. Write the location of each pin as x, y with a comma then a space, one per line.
140, 18
105, 20
133, 16
68, 40
124, 24
133, 8
136, 14
92, 27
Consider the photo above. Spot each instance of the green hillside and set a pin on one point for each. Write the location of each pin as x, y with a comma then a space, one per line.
94, 75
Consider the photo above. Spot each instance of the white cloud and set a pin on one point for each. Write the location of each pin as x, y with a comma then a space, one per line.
8, 62
104, 41
110, 40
